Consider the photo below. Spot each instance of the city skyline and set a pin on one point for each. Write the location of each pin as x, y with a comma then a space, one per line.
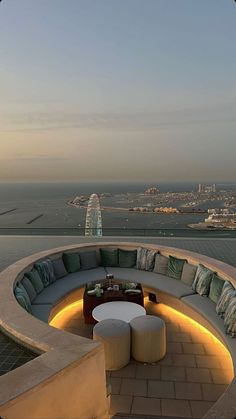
124, 90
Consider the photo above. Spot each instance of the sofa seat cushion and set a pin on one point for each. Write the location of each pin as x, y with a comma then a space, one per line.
61, 287
207, 308
163, 283
41, 311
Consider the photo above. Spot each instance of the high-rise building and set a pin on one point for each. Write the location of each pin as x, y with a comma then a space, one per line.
206, 188
200, 188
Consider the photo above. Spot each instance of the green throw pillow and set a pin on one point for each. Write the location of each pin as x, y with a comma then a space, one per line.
175, 267
22, 297
71, 262
29, 288
127, 258
216, 288
202, 280
36, 280
109, 257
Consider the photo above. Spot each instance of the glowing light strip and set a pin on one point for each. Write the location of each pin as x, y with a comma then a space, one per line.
197, 325
163, 308
65, 309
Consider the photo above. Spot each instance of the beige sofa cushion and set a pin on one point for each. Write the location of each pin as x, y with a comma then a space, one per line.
188, 273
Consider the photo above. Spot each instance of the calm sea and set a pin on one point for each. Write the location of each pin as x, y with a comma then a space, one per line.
13, 192
49, 201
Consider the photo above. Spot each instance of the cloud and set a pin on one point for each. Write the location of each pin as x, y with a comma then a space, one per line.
175, 118
35, 158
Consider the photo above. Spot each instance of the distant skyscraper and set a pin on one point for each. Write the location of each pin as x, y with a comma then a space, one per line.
206, 188
200, 188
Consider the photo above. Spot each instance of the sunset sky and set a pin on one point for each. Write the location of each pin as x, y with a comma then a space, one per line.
118, 89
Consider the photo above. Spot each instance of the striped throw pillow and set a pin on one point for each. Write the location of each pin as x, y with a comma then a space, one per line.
46, 271
145, 259
202, 280
230, 318
227, 293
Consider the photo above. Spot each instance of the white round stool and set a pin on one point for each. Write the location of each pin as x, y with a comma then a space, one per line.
148, 336
115, 336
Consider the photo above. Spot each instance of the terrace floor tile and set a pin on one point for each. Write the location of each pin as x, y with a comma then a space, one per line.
152, 372
174, 348
193, 348
199, 375
208, 361
188, 391
172, 327
120, 403
199, 408
172, 373
184, 360
161, 389
115, 384
179, 337
133, 387
129, 371
222, 376
147, 406
167, 360
170, 407
212, 392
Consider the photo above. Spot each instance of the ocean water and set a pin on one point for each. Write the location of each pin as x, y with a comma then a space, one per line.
49, 201
13, 191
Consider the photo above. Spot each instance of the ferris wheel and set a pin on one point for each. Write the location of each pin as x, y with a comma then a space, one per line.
93, 223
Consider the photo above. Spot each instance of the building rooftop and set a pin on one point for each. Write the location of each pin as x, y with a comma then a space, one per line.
190, 375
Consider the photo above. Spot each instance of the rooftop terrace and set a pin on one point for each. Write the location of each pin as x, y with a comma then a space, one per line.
190, 375
185, 383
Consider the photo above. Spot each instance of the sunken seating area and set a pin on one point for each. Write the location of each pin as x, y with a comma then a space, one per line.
69, 365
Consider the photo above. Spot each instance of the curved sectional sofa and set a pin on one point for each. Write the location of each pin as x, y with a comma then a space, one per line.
66, 365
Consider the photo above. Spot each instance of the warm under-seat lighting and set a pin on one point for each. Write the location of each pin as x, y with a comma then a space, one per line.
169, 314
176, 316
199, 332
60, 319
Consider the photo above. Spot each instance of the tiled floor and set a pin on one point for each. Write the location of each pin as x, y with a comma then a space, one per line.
12, 355
190, 378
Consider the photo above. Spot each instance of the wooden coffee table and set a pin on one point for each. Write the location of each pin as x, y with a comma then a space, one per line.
91, 301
